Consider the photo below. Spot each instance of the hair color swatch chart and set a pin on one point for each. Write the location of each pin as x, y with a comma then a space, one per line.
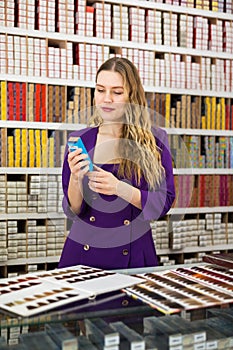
185, 288
31, 294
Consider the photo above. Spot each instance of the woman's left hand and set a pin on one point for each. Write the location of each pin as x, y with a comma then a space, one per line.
102, 181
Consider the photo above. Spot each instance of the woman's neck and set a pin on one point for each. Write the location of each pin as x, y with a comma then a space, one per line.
113, 129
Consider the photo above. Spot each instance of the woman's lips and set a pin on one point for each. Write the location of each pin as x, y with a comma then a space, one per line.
107, 109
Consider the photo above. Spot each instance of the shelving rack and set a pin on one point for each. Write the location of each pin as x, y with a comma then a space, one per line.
163, 89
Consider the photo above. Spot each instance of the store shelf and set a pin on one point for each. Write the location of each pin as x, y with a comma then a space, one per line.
90, 84
40, 125
60, 40
30, 261
38, 171
195, 249
46, 80
176, 171
198, 132
202, 171
123, 307
32, 216
200, 210
71, 126
113, 43
174, 91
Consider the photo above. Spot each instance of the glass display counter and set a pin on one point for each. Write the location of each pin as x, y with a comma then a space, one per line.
147, 325
114, 303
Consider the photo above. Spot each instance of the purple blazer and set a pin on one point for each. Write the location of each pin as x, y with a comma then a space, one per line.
110, 233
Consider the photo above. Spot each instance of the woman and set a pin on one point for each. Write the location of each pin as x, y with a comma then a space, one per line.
132, 182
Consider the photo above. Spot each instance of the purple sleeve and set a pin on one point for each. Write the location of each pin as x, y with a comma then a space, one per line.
156, 204
65, 184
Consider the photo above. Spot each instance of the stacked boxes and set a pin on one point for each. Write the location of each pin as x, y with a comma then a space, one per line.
3, 240
27, 238
153, 27
16, 241
120, 23
137, 28
31, 238
84, 19
16, 201
210, 231
65, 23
55, 237
26, 14
102, 23
160, 232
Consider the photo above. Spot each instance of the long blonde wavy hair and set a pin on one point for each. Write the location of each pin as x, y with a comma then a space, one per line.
139, 154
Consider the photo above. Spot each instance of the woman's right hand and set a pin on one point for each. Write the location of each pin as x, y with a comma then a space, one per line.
78, 163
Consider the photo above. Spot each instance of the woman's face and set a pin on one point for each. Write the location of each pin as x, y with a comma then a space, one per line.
110, 96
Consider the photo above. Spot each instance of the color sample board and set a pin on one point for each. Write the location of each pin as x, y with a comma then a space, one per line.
30, 294
185, 288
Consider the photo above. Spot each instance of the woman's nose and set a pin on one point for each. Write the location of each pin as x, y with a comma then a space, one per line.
108, 96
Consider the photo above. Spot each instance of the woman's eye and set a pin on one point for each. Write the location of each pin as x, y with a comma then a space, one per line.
99, 90
118, 92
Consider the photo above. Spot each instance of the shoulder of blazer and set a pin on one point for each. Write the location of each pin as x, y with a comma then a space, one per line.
160, 136
87, 134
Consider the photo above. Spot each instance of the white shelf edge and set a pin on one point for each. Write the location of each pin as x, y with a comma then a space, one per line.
202, 171
40, 125
30, 261
195, 249
76, 126
200, 210
198, 132
29, 216
90, 84
47, 81
175, 91
37, 171
173, 211
58, 171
